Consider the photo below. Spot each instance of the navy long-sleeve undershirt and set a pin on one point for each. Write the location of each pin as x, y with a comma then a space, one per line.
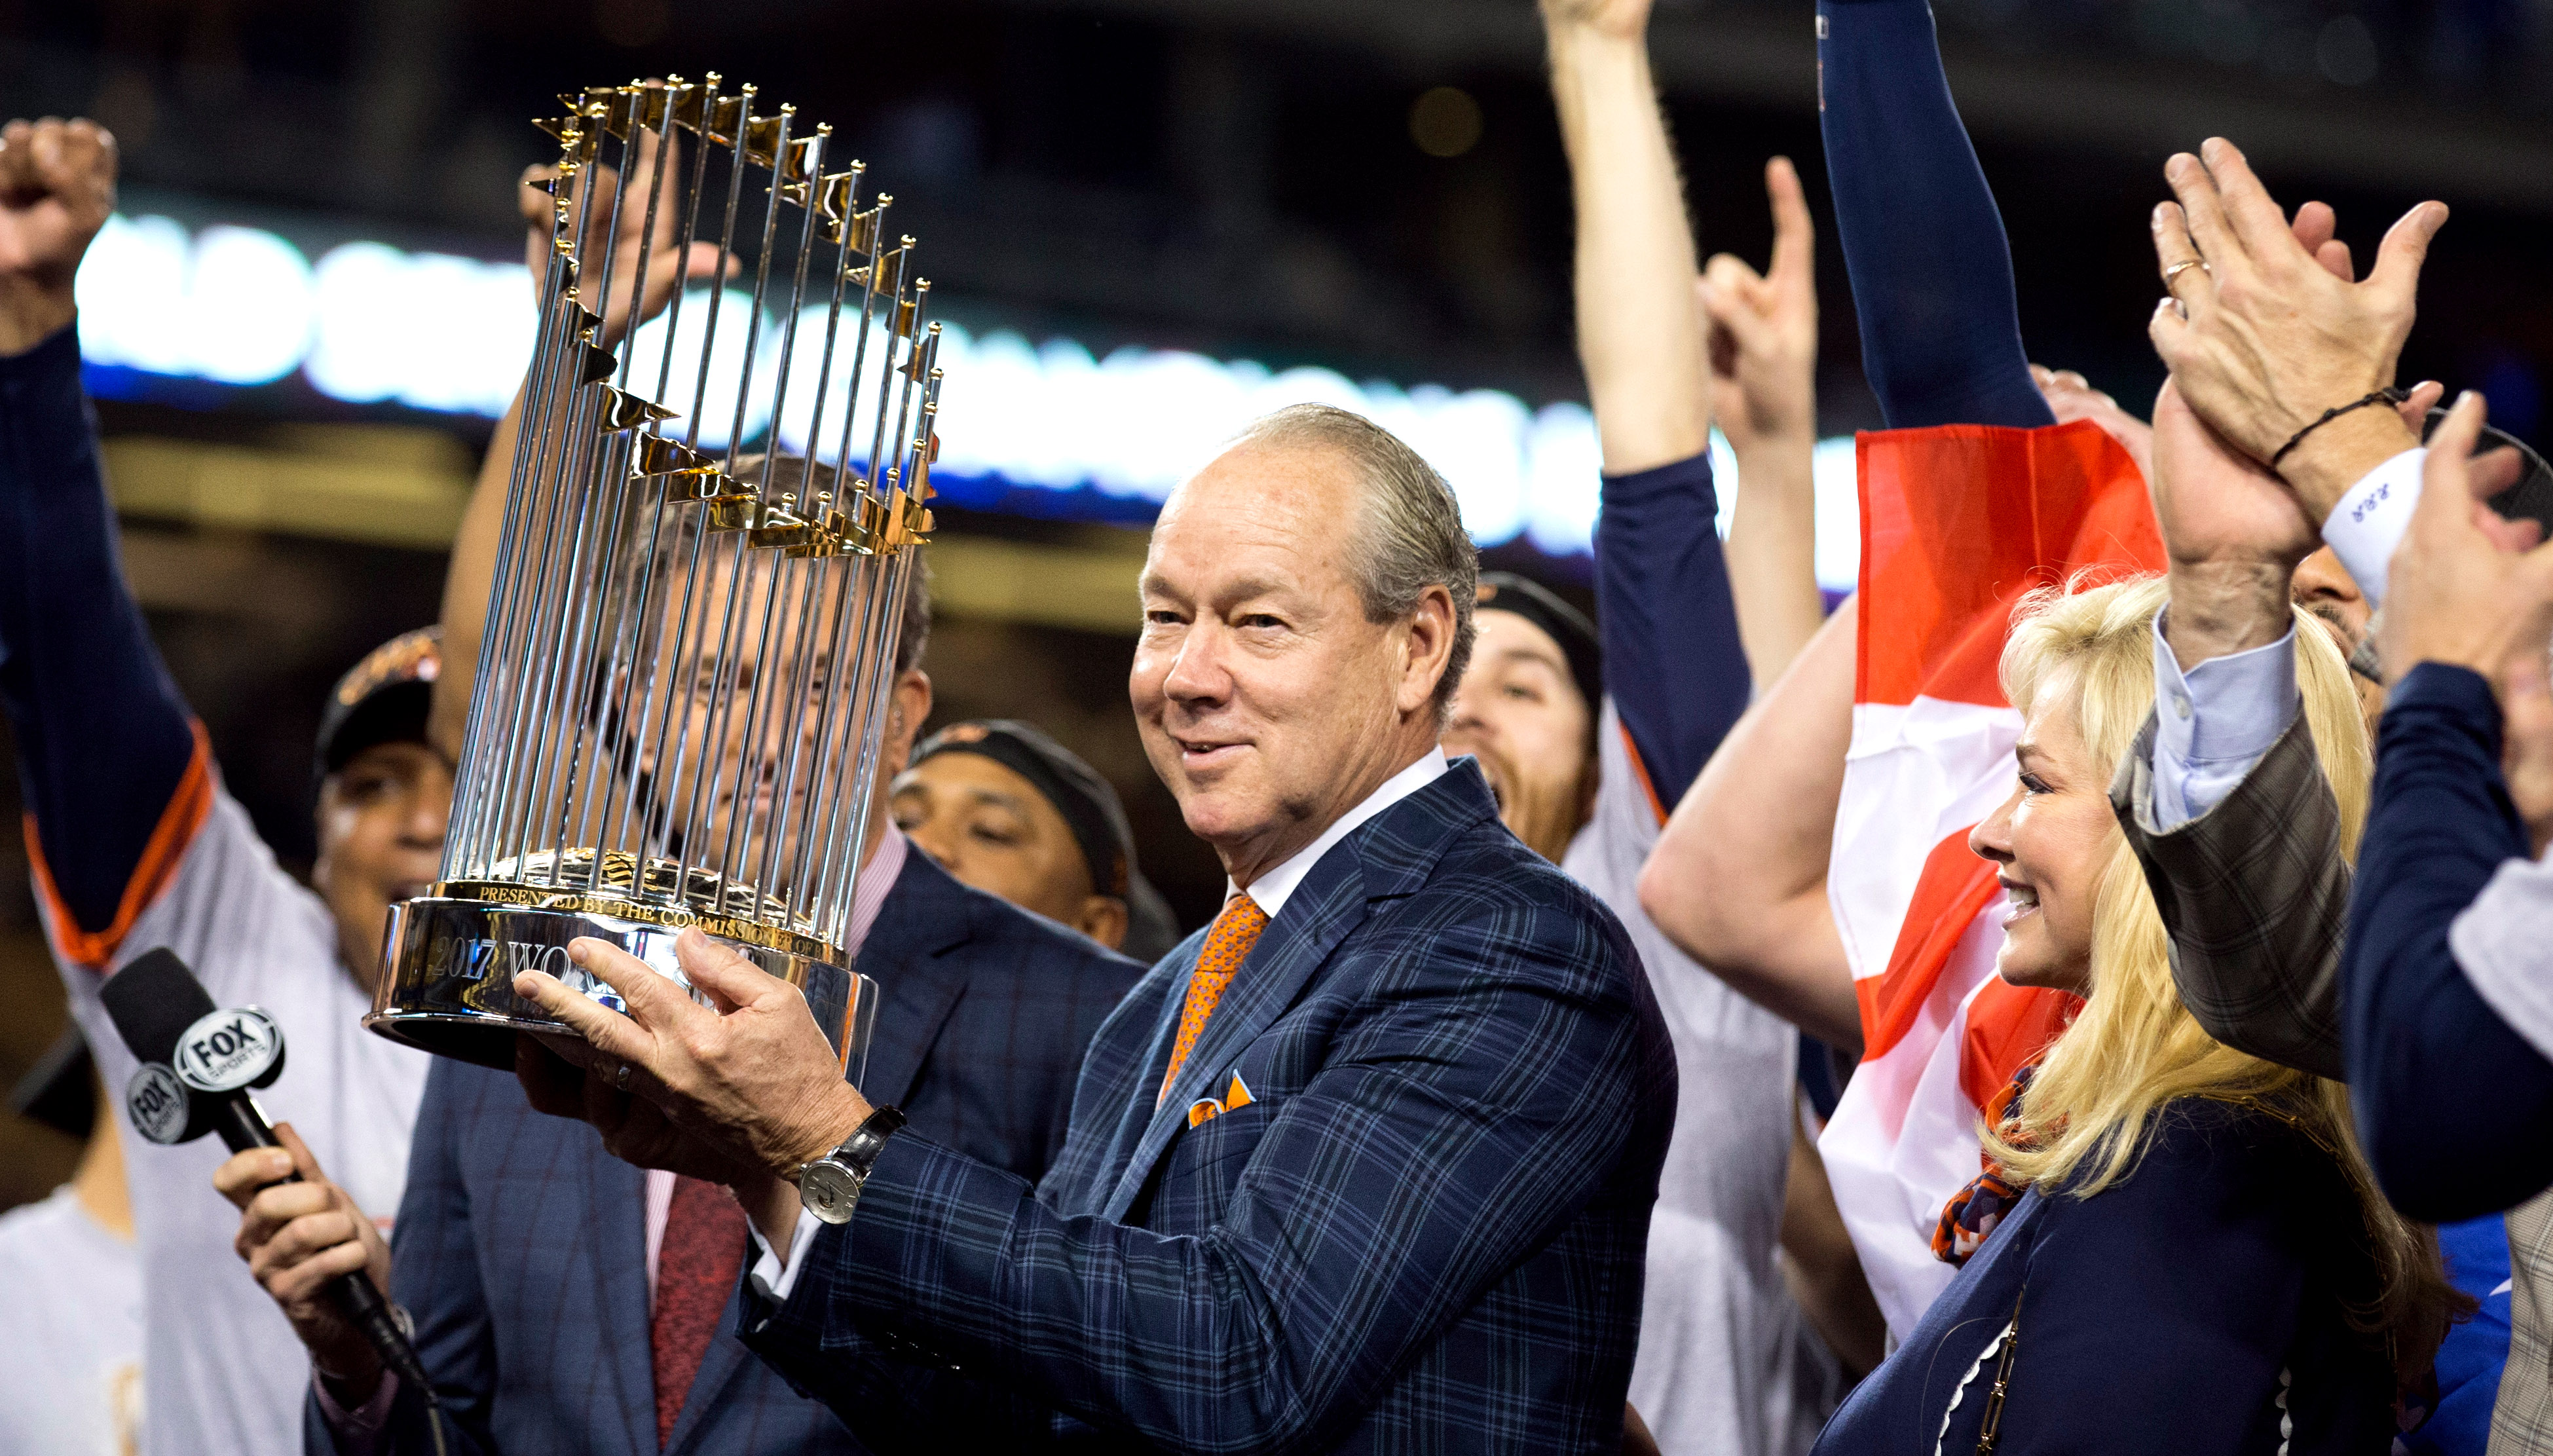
1674, 664
103, 737
1923, 244
2454, 1108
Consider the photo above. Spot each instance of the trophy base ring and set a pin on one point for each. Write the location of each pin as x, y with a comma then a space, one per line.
448, 970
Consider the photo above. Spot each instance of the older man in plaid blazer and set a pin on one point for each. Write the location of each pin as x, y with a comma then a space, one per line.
1367, 1166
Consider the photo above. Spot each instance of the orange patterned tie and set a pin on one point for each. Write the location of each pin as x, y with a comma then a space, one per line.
1227, 944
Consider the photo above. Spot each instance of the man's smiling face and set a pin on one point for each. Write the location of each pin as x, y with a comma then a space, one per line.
1267, 700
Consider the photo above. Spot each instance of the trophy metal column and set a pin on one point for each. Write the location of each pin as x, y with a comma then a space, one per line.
689, 644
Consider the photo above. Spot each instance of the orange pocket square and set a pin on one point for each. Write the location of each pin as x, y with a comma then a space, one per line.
1206, 1109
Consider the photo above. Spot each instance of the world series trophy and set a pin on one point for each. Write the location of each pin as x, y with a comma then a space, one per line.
709, 533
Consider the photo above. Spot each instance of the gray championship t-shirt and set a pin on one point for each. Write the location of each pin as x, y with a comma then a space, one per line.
71, 1339
1726, 1363
222, 1372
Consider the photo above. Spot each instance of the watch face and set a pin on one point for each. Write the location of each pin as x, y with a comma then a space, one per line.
829, 1191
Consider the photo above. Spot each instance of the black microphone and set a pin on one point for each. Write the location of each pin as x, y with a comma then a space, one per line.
198, 1065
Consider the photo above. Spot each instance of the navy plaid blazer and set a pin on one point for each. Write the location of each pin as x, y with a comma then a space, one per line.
520, 1246
1418, 1224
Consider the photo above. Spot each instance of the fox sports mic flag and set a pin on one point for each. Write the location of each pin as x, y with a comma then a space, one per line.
1957, 523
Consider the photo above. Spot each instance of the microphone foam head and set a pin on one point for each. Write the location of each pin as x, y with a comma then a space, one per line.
151, 1001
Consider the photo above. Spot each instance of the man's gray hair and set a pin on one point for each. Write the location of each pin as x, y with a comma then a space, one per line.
1409, 535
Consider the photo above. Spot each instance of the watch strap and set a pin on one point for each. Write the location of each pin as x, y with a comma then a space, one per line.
829, 1188
860, 1151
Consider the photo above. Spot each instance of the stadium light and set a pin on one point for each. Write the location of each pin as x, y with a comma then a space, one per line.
370, 323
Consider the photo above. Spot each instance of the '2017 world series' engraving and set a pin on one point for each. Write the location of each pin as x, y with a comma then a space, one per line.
474, 960
470, 958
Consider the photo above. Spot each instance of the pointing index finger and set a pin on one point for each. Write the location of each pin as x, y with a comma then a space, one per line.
1794, 232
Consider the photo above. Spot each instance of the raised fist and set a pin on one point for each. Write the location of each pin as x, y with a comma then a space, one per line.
1622, 19
57, 187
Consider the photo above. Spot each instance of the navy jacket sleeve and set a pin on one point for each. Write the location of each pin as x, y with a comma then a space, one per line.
1922, 243
1674, 665
1377, 1205
103, 739
2454, 1108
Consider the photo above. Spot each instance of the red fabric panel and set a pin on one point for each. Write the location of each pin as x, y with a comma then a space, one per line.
1957, 522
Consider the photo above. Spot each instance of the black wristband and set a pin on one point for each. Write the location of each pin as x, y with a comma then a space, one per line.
2387, 396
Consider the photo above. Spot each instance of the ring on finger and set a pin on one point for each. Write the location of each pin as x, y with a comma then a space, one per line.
2177, 268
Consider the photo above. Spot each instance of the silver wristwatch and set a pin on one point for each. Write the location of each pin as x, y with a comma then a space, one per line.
830, 1187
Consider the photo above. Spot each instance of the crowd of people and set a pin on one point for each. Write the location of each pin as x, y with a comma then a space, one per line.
2069, 996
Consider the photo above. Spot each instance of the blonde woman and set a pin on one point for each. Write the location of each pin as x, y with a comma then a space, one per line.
2197, 1260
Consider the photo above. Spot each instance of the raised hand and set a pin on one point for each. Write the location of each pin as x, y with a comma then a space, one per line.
2263, 332
655, 166
2527, 746
2070, 397
1763, 327
1620, 19
56, 189
2233, 531
297, 1238
2457, 593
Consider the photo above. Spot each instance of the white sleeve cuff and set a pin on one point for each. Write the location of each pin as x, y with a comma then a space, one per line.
2213, 723
774, 1279
2499, 941
2371, 518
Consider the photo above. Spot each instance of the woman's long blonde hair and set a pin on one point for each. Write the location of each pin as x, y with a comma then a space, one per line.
2134, 1046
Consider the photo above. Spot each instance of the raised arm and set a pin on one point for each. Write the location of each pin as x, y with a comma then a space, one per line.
1922, 243
1677, 644
1639, 338
1738, 879
106, 748
465, 583
473, 570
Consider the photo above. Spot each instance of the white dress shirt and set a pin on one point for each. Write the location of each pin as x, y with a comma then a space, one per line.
773, 1279
2214, 722
2371, 518
1275, 887
2498, 943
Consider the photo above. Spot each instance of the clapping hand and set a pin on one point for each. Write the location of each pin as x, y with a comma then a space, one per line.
1762, 328
56, 189
2265, 329
2467, 587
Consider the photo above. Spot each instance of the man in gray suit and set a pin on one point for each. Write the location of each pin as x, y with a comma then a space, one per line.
2221, 798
